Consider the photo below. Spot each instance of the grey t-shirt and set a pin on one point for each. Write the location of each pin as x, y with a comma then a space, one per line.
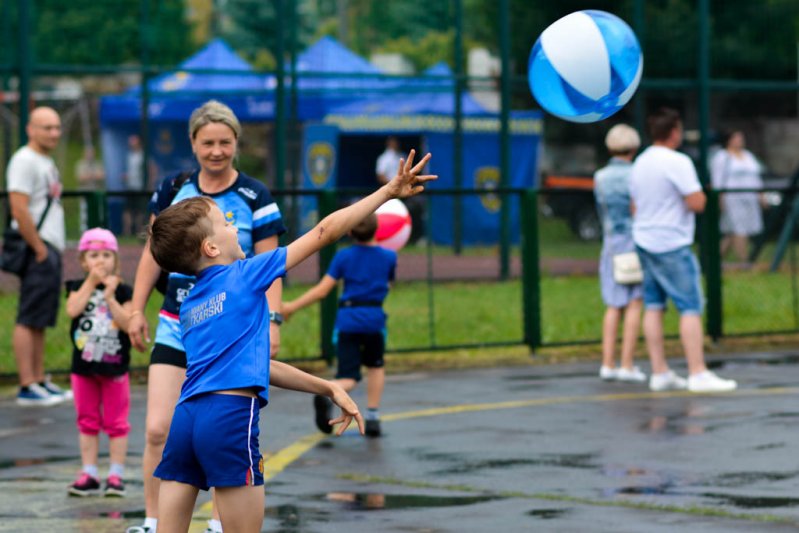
36, 176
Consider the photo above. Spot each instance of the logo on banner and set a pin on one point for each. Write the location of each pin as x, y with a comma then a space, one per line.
164, 143
487, 179
320, 159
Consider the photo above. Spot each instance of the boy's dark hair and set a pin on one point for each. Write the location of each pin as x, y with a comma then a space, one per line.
365, 230
661, 123
178, 232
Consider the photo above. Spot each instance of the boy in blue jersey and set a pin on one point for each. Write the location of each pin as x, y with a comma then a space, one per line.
367, 270
213, 438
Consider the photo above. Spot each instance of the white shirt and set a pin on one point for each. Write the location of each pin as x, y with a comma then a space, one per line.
728, 171
388, 163
36, 176
660, 180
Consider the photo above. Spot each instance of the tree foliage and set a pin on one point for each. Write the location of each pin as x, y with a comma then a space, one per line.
108, 32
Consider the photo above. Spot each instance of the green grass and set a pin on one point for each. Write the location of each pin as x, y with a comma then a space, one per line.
474, 313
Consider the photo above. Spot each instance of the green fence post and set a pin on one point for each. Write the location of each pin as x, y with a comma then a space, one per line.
329, 305
531, 274
713, 275
97, 212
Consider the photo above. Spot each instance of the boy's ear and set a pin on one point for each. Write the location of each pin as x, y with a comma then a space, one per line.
209, 249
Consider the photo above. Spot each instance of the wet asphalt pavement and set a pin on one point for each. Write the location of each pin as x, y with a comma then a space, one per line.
495, 450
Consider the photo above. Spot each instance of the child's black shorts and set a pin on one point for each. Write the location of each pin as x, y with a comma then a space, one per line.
356, 349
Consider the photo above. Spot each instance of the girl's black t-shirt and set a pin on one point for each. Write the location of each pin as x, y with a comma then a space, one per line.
100, 346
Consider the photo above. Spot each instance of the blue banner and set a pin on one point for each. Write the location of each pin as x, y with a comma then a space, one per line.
319, 164
481, 170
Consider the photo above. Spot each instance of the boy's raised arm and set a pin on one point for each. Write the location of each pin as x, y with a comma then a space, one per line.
407, 182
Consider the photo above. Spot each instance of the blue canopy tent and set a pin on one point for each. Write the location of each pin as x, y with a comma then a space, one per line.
342, 150
341, 77
330, 75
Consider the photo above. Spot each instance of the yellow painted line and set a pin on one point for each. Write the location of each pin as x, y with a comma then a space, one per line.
468, 408
278, 462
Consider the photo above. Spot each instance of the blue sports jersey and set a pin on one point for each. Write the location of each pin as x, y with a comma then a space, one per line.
366, 271
251, 208
225, 326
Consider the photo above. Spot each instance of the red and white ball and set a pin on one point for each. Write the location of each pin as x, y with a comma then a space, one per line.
393, 225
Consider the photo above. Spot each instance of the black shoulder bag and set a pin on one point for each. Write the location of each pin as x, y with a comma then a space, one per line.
16, 252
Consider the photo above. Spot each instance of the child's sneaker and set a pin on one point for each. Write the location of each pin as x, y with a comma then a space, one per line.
707, 381
214, 526
632, 375
322, 407
86, 485
139, 529
55, 390
667, 381
114, 486
37, 395
606, 373
373, 428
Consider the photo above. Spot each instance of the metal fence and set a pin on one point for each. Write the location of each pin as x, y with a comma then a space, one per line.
448, 299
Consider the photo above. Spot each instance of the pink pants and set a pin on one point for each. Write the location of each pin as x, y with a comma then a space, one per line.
102, 403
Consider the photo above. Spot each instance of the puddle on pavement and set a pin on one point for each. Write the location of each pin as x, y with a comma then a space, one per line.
743, 479
753, 502
291, 517
367, 501
735, 500
548, 514
560, 460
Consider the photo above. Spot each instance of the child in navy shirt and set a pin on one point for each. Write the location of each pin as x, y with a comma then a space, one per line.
213, 438
367, 270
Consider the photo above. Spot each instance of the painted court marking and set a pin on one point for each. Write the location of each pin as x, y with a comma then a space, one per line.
278, 462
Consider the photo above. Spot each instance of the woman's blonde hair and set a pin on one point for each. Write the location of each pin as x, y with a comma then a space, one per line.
622, 139
213, 111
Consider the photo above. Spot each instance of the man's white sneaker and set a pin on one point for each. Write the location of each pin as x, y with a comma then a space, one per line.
667, 381
606, 373
707, 381
633, 375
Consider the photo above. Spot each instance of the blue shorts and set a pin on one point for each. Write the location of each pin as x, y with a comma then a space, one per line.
213, 442
674, 275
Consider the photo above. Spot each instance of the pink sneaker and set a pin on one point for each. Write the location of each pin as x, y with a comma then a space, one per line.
85, 485
114, 486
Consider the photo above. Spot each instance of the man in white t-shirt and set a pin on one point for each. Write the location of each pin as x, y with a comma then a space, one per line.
666, 195
388, 162
34, 191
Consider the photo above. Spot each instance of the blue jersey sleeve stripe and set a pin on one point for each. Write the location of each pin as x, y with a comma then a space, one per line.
270, 212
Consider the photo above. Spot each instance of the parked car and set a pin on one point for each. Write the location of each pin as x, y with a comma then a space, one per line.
572, 197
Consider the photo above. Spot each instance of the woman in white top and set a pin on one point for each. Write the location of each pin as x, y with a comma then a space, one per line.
734, 167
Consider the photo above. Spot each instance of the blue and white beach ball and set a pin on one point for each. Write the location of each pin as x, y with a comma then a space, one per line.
585, 66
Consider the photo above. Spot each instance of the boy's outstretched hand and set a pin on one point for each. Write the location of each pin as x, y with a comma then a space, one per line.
408, 182
349, 410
